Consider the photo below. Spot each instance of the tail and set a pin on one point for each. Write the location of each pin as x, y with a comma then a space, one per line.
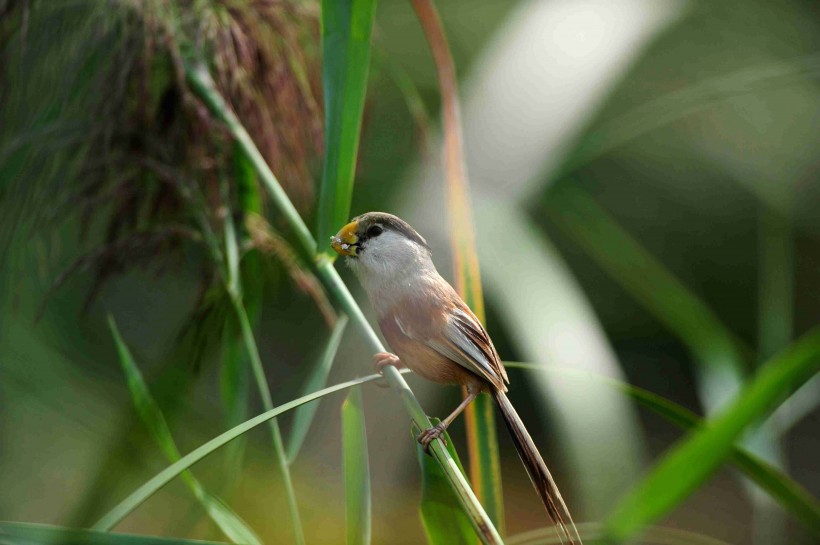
538, 472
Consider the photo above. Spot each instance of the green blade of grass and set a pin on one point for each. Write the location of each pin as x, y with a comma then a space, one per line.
201, 82
346, 29
136, 498
791, 495
19, 533
151, 415
245, 272
444, 521
356, 469
303, 417
550, 320
234, 391
690, 463
234, 287
581, 218
482, 440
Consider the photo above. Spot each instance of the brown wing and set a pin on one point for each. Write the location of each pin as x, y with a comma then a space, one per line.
457, 335
468, 344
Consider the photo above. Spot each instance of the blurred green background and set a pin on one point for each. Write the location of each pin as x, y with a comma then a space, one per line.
645, 176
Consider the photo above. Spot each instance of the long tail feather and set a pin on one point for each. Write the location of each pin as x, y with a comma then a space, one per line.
538, 472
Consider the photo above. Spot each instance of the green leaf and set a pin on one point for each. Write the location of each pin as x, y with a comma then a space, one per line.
149, 488
234, 390
356, 469
233, 285
791, 495
346, 29
303, 416
18, 533
550, 320
229, 522
689, 464
623, 258
443, 517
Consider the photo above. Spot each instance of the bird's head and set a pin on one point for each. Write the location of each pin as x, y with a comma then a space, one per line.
381, 244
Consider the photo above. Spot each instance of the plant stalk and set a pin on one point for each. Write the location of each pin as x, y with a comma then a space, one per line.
267, 403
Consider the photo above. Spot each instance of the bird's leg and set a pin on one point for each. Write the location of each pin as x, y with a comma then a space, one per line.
430, 434
383, 359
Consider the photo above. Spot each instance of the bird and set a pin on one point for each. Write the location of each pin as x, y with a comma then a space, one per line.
433, 332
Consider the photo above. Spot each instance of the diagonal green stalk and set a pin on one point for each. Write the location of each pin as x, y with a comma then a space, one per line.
230, 523
485, 461
202, 83
234, 288
687, 465
791, 495
149, 488
267, 402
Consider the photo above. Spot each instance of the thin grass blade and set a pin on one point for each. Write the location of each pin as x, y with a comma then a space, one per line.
688, 465
582, 219
791, 495
346, 29
303, 417
234, 287
149, 488
229, 522
482, 440
234, 390
356, 469
444, 521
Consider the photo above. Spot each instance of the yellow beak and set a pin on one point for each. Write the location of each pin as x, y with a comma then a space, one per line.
344, 243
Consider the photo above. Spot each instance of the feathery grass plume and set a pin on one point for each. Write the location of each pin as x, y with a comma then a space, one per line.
114, 138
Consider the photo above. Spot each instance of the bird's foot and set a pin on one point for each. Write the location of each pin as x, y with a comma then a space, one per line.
431, 434
382, 360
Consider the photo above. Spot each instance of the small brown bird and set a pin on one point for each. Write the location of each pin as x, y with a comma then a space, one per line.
436, 335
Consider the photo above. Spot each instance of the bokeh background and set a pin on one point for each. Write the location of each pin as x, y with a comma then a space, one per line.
644, 175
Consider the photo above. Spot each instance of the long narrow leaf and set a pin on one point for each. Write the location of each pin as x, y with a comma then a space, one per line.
485, 464
790, 494
229, 522
444, 521
346, 29
690, 463
580, 217
303, 417
149, 488
356, 469
19, 533
234, 287
235, 390
267, 403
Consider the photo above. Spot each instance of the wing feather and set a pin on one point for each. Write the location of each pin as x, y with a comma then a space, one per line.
465, 342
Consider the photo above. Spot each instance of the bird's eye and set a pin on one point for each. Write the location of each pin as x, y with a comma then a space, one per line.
374, 231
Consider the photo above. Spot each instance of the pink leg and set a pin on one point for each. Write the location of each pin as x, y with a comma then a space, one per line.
383, 359
430, 434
